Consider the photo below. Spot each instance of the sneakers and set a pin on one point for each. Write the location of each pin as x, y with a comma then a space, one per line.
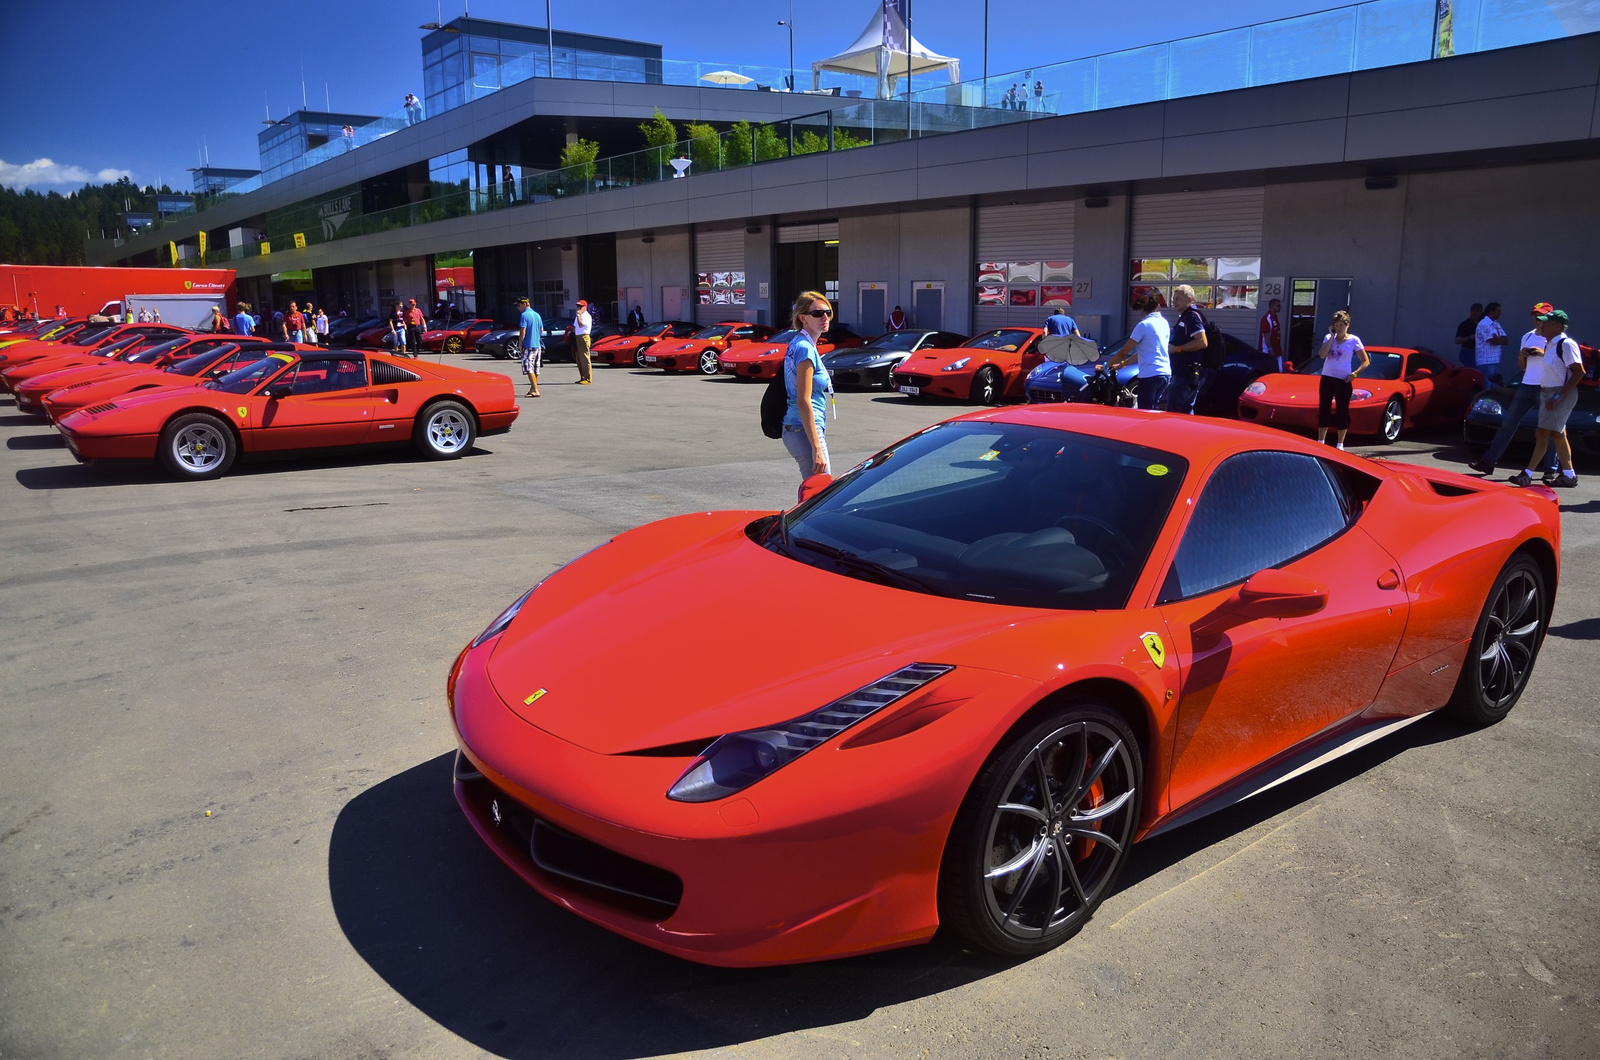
1564, 482
584, 382
1521, 478
1482, 467
1549, 477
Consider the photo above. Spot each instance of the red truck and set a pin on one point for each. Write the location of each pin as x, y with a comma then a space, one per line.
86, 290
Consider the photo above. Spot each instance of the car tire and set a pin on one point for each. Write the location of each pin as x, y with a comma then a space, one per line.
1505, 645
1023, 872
710, 362
444, 430
638, 356
1394, 418
453, 345
197, 445
986, 386
511, 350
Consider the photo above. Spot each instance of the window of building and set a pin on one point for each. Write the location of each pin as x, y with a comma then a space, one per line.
1219, 283
1025, 283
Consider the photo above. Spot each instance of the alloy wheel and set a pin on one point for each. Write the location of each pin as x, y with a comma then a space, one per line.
1510, 640
199, 448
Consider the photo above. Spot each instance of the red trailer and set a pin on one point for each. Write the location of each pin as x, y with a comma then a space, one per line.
83, 290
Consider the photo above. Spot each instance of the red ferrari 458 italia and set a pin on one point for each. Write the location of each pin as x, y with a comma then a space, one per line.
702, 351
764, 359
292, 399
1401, 388
630, 348
987, 369
203, 357
1070, 628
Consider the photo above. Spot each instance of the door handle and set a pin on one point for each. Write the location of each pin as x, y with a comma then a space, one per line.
1388, 579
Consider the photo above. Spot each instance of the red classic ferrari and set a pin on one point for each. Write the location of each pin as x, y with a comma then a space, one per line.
630, 348
985, 370
1401, 388
206, 358
130, 356
1071, 628
702, 351
82, 342
291, 399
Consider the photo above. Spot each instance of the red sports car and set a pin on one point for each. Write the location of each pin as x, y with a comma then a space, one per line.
1401, 388
202, 358
764, 359
702, 351
1070, 628
629, 349
75, 350
31, 381
458, 336
292, 399
985, 370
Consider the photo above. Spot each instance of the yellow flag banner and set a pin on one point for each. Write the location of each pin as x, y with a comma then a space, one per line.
299, 241
172, 248
202, 238
266, 248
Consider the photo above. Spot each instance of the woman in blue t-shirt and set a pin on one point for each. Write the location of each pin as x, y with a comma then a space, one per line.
1148, 342
809, 386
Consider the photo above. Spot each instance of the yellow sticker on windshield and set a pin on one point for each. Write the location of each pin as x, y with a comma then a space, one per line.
1157, 469
284, 357
1156, 650
990, 455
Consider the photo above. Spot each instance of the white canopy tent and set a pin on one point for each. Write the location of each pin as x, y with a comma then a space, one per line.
880, 52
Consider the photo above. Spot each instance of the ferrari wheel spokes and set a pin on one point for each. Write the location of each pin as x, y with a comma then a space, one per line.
1510, 638
199, 447
447, 430
1060, 830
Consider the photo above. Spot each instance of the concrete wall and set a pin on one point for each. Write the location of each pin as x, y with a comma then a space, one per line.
1100, 255
758, 271
654, 265
903, 247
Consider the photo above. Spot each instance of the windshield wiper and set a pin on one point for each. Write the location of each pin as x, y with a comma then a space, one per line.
861, 565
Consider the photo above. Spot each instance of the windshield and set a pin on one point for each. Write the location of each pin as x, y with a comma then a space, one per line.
784, 337
904, 341
89, 336
1004, 339
251, 375
111, 350
999, 512
1383, 366
200, 362
153, 353
716, 331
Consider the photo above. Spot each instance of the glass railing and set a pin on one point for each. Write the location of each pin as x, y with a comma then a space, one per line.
1361, 36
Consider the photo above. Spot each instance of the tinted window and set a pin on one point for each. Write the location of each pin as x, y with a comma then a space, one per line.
896, 340
1259, 510
1383, 366
322, 377
1425, 360
1004, 339
245, 379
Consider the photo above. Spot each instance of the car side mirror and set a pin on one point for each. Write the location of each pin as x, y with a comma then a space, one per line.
1420, 373
814, 485
1266, 594
282, 390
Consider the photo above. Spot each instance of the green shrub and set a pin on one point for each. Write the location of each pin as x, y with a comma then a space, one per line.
738, 145
579, 156
769, 143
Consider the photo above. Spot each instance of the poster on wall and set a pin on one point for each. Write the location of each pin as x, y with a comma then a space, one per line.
720, 288
991, 295
1057, 295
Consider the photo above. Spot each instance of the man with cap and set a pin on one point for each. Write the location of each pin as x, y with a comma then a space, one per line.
1524, 396
582, 325
532, 345
1558, 393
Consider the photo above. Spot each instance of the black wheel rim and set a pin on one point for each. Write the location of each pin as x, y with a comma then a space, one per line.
1510, 638
1059, 832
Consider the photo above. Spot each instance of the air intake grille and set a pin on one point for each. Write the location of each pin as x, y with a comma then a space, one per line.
95, 410
386, 374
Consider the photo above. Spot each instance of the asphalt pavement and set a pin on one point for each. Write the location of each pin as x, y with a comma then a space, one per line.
226, 826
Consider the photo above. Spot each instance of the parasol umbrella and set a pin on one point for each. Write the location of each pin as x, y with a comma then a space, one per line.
726, 77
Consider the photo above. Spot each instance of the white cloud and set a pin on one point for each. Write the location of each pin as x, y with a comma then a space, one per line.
43, 172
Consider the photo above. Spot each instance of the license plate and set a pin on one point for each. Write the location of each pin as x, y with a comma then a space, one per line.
649, 359
912, 390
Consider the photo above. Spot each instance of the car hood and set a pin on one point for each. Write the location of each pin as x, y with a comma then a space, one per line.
686, 629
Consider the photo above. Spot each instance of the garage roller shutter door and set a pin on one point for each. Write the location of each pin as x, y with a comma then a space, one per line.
718, 251
813, 233
1201, 224
1035, 231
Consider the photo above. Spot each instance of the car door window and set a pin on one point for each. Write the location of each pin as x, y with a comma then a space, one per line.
1424, 360
324, 377
1258, 510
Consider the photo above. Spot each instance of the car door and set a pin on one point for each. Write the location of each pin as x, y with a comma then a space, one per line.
329, 403
1420, 388
1255, 683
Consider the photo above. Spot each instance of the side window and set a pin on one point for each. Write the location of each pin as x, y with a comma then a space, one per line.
1258, 510
322, 377
1423, 360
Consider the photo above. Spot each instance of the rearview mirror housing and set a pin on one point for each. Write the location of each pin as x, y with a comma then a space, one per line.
814, 485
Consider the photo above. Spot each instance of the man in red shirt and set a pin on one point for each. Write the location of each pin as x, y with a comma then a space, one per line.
414, 322
1272, 333
294, 324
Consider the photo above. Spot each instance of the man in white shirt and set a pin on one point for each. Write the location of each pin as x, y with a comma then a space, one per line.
1524, 396
1488, 340
582, 325
1558, 393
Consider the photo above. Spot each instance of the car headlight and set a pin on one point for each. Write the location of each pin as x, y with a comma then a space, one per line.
1360, 395
1487, 406
498, 626
1256, 389
737, 760
956, 366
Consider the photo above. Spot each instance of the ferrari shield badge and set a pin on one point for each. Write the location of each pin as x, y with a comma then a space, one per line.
536, 695
1153, 646
243, 412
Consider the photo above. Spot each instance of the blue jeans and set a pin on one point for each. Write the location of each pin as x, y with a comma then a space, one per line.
1523, 398
1187, 382
1150, 389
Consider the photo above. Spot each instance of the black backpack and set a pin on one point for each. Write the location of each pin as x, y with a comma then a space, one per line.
774, 403
1216, 350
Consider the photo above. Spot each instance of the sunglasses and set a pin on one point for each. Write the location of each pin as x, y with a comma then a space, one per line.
820, 314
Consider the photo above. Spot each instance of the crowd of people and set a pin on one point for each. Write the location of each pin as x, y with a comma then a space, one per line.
1543, 371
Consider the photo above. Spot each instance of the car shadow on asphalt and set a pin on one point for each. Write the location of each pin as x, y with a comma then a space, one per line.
131, 472
36, 441
21, 421
458, 935
1582, 629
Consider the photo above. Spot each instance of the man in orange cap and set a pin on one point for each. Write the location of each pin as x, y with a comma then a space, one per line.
582, 325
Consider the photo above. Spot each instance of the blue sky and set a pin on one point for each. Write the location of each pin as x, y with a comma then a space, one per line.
96, 88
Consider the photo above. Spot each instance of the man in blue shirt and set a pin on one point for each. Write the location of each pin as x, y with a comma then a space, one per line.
244, 323
1058, 323
532, 345
1187, 352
